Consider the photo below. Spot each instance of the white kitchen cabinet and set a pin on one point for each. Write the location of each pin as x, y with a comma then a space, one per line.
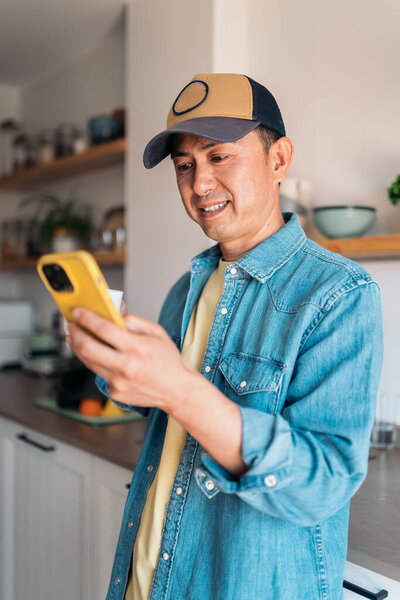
110, 491
45, 505
60, 514
370, 581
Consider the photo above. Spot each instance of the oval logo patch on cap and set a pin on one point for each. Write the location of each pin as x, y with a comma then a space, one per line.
192, 95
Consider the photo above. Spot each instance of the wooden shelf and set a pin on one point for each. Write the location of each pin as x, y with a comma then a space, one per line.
382, 246
97, 157
105, 259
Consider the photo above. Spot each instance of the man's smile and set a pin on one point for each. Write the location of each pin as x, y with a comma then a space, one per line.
212, 209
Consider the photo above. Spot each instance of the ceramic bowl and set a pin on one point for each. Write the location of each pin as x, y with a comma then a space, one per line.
103, 129
344, 221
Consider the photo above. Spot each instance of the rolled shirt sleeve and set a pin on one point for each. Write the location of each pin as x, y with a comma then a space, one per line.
103, 387
305, 463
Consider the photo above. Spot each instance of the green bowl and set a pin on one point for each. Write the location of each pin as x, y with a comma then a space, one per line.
344, 221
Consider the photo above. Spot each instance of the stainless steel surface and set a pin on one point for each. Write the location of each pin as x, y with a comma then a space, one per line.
374, 532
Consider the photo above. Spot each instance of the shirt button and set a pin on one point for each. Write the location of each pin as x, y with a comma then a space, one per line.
210, 485
179, 491
224, 311
165, 556
207, 369
130, 524
270, 480
150, 468
117, 581
233, 271
243, 384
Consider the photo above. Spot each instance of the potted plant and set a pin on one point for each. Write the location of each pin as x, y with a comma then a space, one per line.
64, 225
394, 191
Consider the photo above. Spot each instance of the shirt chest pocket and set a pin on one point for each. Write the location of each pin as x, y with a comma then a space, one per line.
252, 381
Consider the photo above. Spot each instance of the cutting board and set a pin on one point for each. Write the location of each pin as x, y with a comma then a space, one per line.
50, 404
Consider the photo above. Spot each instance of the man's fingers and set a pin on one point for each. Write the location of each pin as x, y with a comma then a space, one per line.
142, 326
102, 328
91, 351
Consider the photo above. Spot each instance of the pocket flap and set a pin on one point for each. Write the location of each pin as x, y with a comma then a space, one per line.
246, 373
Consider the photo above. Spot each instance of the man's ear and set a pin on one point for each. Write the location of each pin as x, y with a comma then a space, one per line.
281, 153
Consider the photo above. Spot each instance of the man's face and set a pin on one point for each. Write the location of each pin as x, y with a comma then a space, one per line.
229, 189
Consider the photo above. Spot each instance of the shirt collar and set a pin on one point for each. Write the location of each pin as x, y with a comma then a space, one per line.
266, 258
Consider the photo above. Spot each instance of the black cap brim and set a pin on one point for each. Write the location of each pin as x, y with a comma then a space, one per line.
218, 129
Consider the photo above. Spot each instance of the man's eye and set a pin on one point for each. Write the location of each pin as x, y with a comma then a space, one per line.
218, 158
183, 167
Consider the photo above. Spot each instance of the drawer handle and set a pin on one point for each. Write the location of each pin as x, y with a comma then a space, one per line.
365, 593
24, 438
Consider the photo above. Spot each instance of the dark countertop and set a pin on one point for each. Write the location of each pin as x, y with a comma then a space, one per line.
119, 444
374, 532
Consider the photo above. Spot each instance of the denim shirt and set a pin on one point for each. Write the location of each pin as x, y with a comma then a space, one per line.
296, 343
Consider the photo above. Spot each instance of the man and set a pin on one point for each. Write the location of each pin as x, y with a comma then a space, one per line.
258, 430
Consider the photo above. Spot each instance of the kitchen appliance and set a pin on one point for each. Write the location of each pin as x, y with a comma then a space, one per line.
42, 354
16, 322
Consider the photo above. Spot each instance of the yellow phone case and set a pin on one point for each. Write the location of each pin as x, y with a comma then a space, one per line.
90, 289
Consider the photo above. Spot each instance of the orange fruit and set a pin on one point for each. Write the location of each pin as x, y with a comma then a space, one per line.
90, 407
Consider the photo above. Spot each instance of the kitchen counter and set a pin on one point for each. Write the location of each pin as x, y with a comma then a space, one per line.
119, 443
374, 532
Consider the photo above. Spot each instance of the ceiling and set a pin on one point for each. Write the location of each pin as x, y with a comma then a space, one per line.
38, 36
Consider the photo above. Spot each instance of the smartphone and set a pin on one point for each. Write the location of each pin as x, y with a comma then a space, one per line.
74, 280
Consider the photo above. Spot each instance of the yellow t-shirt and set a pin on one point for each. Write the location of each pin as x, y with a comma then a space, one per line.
148, 539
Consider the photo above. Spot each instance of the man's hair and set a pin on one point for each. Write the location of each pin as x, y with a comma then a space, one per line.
267, 137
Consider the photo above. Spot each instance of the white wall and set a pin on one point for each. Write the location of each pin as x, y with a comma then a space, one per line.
10, 103
10, 107
92, 85
168, 42
332, 67
387, 273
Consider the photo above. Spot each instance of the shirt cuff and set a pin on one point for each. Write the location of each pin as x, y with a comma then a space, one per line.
103, 387
266, 450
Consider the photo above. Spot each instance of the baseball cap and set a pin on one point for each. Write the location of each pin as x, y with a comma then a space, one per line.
222, 107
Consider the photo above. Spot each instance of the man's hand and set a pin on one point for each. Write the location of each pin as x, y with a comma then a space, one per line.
141, 365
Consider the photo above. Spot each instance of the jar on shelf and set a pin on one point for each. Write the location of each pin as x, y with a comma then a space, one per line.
8, 130
32, 149
65, 136
46, 153
33, 242
80, 142
20, 238
119, 238
20, 152
8, 240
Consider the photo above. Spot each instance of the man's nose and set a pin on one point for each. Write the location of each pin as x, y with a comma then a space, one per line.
204, 181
